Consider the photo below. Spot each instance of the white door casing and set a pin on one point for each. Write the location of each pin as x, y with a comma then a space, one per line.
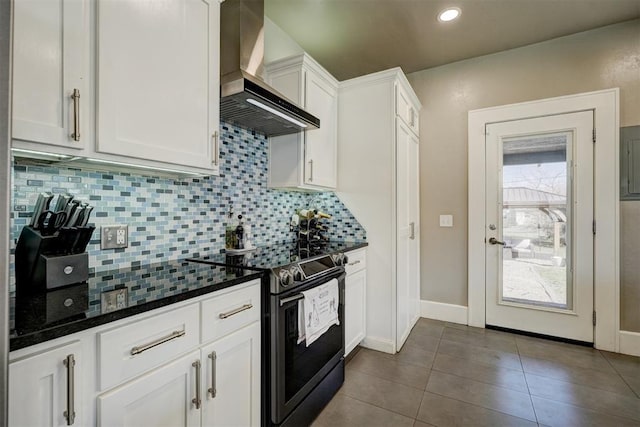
574, 321
606, 206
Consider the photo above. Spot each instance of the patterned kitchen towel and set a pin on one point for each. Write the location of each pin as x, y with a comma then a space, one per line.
320, 310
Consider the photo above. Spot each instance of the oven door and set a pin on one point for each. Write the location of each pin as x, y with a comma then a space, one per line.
295, 368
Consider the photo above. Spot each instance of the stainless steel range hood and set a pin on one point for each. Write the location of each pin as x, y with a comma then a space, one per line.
246, 100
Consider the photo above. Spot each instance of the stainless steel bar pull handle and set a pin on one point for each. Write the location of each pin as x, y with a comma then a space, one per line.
311, 170
412, 226
289, 299
76, 115
354, 262
197, 400
212, 390
173, 335
495, 241
216, 149
236, 311
70, 413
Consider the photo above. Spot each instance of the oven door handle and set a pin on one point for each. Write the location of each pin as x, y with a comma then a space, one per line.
289, 299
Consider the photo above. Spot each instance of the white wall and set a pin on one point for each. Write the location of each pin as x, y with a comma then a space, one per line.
593, 60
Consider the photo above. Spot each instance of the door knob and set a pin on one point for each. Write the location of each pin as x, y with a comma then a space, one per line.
495, 241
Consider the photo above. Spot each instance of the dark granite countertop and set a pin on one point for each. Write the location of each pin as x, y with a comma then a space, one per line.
45, 316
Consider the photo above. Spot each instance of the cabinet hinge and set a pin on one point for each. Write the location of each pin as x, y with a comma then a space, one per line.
593, 227
594, 135
594, 318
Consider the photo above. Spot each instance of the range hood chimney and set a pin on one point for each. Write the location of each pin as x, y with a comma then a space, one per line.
246, 100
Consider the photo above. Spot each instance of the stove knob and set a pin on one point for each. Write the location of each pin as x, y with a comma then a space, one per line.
345, 259
296, 273
338, 259
286, 279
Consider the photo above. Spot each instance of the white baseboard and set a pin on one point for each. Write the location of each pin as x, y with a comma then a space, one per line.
630, 343
378, 344
445, 312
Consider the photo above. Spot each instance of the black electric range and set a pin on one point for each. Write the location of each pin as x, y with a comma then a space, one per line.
302, 378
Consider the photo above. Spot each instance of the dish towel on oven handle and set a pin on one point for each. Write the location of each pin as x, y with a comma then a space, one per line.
318, 311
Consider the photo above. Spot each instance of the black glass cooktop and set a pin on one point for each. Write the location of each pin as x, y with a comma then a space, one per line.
276, 255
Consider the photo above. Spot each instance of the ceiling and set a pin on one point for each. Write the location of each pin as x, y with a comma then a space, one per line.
355, 37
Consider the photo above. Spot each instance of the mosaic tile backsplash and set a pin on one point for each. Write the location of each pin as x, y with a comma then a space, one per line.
173, 219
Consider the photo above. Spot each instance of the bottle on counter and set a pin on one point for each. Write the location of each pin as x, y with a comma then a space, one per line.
239, 232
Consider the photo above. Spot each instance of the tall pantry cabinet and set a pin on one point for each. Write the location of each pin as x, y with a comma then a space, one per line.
378, 176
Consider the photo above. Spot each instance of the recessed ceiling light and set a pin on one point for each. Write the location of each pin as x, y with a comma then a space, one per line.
449, 14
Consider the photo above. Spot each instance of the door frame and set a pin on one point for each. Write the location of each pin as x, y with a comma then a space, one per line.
606, 277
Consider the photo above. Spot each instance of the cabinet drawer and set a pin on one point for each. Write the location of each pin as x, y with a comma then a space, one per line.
137, 347
357, 261
405, 110
226, 313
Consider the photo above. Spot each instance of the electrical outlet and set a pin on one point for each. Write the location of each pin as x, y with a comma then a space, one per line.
114, 236
113, 300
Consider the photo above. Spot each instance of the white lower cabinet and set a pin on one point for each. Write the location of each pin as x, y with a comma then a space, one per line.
164, 397
355, 289
232, 379
44, 389
154, 369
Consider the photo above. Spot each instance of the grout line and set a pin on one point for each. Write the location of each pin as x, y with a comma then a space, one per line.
620, 375
524, 374
479, 406
380, 407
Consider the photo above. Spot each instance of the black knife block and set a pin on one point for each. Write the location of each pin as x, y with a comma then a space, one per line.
51, 276
45, 262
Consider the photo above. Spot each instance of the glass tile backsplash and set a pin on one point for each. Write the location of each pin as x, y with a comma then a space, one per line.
172, 219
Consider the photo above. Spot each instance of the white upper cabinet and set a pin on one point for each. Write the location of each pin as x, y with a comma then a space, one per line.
146, 76
50, 64
406, 110
158, 80
307, 160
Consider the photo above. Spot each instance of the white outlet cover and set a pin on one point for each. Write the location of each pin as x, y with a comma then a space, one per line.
446, 220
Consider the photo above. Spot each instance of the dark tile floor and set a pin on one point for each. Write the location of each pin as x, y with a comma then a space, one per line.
454, 375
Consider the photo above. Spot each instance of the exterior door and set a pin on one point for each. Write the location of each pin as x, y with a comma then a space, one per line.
539, 225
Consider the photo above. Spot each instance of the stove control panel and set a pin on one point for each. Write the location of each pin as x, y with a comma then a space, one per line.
297, 274
285, 277
339, 259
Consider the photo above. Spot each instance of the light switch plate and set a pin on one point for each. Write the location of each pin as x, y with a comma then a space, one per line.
446, 220
114, 236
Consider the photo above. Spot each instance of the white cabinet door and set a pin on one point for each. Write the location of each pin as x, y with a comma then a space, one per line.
163, 397
231, 384
158, 80
320, 144
407, 199
50, 60
38, 387
354, 309
307, 160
